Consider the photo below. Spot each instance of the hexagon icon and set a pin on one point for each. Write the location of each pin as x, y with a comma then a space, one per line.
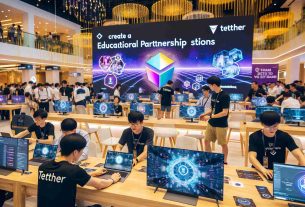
199, 78
196, 86
231, 71
186, 84
110, 81
105, 62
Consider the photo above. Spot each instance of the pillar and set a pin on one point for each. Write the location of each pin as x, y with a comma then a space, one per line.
293, 70
29, 30
73, 78
52, 76
29, 75
297, 9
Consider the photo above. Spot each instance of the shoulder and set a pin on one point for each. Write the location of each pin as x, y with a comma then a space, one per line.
148, 130
283, 135
127, 131
49, 124
256, 135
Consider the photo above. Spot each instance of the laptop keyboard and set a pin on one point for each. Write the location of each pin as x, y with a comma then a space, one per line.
123, 174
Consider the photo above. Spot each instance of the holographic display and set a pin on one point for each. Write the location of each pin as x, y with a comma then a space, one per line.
261, 109
259, 101
294, 115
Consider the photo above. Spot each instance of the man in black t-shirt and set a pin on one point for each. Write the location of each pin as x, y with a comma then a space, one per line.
137, 137
58, 179
295, 93
44, 131
166, 98
268, 146
255, 91
65, 90
218, 117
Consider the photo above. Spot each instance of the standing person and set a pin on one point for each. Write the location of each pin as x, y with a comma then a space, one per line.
205, 100
166, 97
56, 94
218, 117
295, 93
43, 97
19, 35
61, 176
79, 98
290, 102
28, 87
1, 31
272, 90
85, 87
117, 90
66, 91
11, 33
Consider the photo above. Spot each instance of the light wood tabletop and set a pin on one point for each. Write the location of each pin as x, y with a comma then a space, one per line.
10, 108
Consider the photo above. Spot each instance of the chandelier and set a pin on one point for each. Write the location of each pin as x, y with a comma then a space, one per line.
131, 12
91, 12
197, 15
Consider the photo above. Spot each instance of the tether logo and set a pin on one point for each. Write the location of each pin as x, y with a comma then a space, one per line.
213, 28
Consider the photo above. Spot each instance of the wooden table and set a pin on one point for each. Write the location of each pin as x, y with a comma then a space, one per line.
250, 127
123, 121
135, 193
10, 108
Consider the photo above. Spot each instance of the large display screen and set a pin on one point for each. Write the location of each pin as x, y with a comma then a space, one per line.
191, 111
119, 161
294, 115
18, 99
14, 153
191, 172
101, 108
63, 106
144, 108
143, 57
261, 109
289, 182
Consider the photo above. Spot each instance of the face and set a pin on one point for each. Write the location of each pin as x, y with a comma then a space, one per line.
205, 93
270, 131
254, 86
39, 121
212, 87
136, 127
76, 155
116, 100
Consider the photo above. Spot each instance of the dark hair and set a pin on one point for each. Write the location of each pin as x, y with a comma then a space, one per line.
256, 83
205, 88
135, 116
30, 82
72, 142
177, 89
40, 113
302, 98
27, 94
170, 82
68, 124
64, 82
270, 118
118, 85
287, 86
56, 84
117, 98
270, 99
214, 80
293, 85
287, 94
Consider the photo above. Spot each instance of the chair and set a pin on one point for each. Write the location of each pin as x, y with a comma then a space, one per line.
83, 125
186, 142
165, 131
198, 136
110, 141
299, 142
92, 151
20, 123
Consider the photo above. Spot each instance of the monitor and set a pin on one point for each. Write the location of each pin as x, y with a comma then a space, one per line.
131, 97
101, 108
294, 115
194, 173
236, 97
3, 99
63, 106
154, 97
191, 111
261, 109
103, 96
145, 108
289, 182
119, 161
259, 101
46, 151
181, 98
14, 153
18, 99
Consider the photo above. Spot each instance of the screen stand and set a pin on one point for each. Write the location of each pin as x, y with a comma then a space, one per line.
63, 113
181, 198
102, 116
146, 117
192, 120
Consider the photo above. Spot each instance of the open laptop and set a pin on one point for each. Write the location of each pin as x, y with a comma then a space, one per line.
43, 153
118, 162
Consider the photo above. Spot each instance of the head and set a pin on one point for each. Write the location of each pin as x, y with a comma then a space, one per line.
270, 121
170, 83
293, 87
68, 126
177, 90
254, 85
206, 90
64, 83
270, 100
287, 95
118, 86
135, 119
56, 85
72, 146
272, 85
287, 88
116, 100
27, 95
40, 117
214, 83
185, 91
30, 83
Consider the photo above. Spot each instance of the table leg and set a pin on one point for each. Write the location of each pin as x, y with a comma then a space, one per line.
246, 148
11, 115
19, 195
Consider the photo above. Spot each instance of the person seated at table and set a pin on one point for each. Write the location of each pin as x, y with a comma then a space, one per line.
58, 179
118, 109
44, 131
69, 126
290, 102
302, 100
255, 91
137, 137
190, 94
280, 98
268, 145
271, 101
177, 91
206, 98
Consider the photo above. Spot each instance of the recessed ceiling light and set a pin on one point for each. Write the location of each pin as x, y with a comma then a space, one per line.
274, 4
5, 16
39, 22
8, 10
47, 23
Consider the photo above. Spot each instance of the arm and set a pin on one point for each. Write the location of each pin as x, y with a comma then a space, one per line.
22, 134
46, 141
142, 156
252, 157
297, 153
102, 183
223, 113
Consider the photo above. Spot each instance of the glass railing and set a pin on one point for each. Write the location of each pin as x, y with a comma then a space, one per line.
42, 43
273, 43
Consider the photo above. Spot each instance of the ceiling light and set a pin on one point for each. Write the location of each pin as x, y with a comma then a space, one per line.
274, 4
8, 10
47, 23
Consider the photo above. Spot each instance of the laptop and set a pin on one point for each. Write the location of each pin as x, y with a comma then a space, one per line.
43, 153
118, 162
5, 134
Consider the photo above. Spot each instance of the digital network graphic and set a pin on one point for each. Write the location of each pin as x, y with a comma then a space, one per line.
301, 184
119, 160
190, 172
227, 62
45, 151
191, 111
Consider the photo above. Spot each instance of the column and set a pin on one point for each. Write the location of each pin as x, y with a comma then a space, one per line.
29, 30
29, 75
292, 70
52, 76
76, 75
297, 9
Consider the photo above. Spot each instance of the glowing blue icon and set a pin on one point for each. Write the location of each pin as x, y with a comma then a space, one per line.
119, 159
186, 84
236, 55
103, 108
195, 86
301, 184
199, 78
45, 150
231, 71
191, 111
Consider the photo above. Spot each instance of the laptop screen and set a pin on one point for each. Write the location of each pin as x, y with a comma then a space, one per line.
119, 161
45, 151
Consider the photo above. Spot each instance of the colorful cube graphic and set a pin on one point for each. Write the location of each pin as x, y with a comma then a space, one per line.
160, 69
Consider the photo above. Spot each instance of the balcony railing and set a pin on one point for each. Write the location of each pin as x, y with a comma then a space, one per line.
42, 43
271, 44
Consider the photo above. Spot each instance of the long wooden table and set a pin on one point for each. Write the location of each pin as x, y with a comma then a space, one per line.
134, 191
10, 108
250, 127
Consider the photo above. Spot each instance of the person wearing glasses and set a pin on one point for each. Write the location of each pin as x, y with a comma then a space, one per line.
268, 146
137, 137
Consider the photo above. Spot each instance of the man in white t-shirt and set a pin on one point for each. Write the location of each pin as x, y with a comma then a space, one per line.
28, 88
290, 102
272, 90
